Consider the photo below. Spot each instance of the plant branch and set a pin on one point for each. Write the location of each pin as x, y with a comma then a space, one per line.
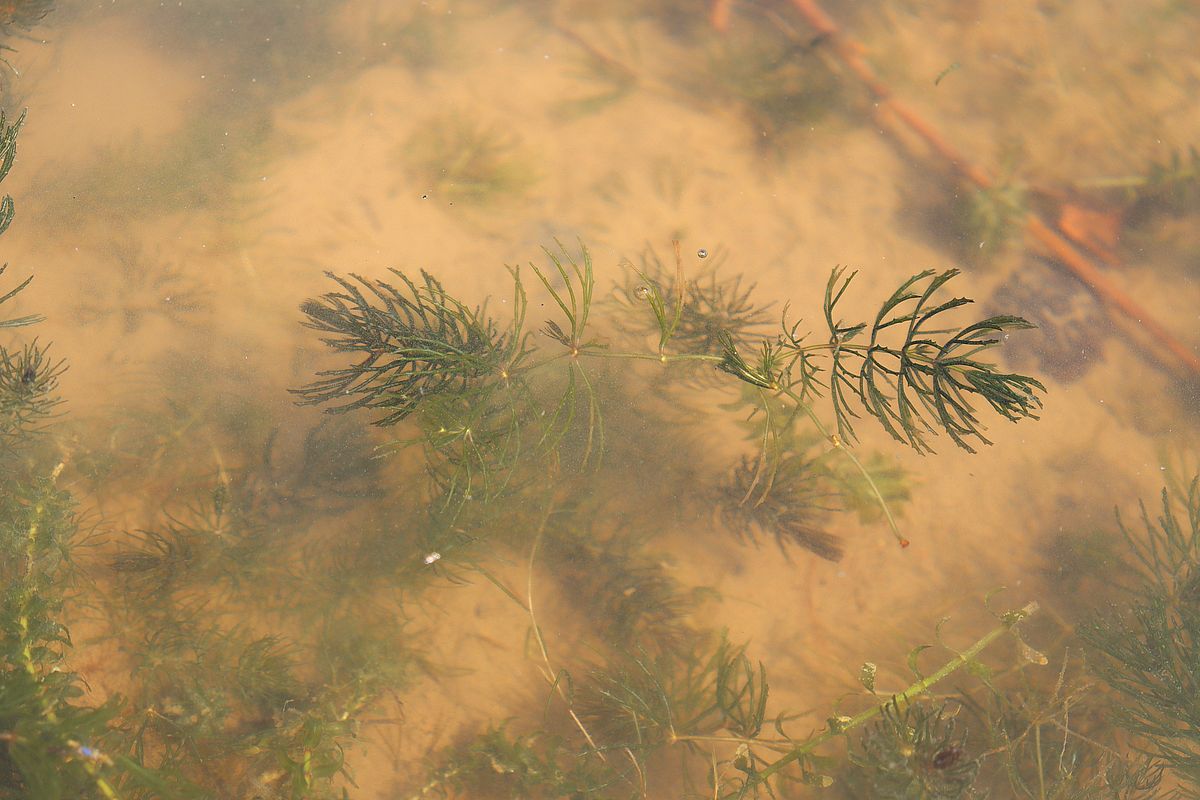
903, 699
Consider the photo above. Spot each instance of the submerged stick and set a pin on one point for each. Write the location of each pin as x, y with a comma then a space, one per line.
1179, 356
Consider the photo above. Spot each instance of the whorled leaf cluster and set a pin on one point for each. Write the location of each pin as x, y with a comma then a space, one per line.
413, 342
712, 303
903, 368
914, 751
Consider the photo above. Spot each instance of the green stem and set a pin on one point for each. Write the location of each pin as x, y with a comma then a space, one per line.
663, 358
777, 744
904, 698
837, 442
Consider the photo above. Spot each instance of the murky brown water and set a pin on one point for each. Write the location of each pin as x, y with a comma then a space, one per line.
189, 171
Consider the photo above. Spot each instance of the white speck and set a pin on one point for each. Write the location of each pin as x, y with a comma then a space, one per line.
432, 557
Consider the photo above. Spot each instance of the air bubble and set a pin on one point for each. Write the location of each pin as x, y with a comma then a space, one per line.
702, 253
642, 292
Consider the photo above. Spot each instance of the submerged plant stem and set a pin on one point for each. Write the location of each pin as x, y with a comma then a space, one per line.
551, 676
904, 698
838, 444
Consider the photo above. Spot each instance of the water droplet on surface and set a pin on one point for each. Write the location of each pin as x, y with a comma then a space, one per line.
641, 292
702, 253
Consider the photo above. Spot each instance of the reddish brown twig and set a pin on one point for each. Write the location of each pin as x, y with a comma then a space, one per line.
1063, 251
719, 15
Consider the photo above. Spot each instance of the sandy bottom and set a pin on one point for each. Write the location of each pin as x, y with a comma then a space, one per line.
198, 267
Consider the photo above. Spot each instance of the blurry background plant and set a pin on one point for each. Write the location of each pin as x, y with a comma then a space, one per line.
458, 159
140, 288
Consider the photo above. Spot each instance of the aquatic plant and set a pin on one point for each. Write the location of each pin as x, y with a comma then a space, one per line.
1172, 184
459, 159
710, 303
913, 751
263, 612
1146, 651
481, 392
536, 409
54, 743
140, 288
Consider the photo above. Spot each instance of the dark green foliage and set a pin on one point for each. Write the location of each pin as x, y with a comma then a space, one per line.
415, 343
28, 376
263, 622
229, 700
485, 410
642, 702
914, 378
17, 322
742, 692
1149, 650
913, 752
28, 389
53, 743
8, 153
929, 375
770, 364
253, 656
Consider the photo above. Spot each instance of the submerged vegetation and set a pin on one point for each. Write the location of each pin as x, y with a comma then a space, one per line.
455, 158
480, 395
202, 595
